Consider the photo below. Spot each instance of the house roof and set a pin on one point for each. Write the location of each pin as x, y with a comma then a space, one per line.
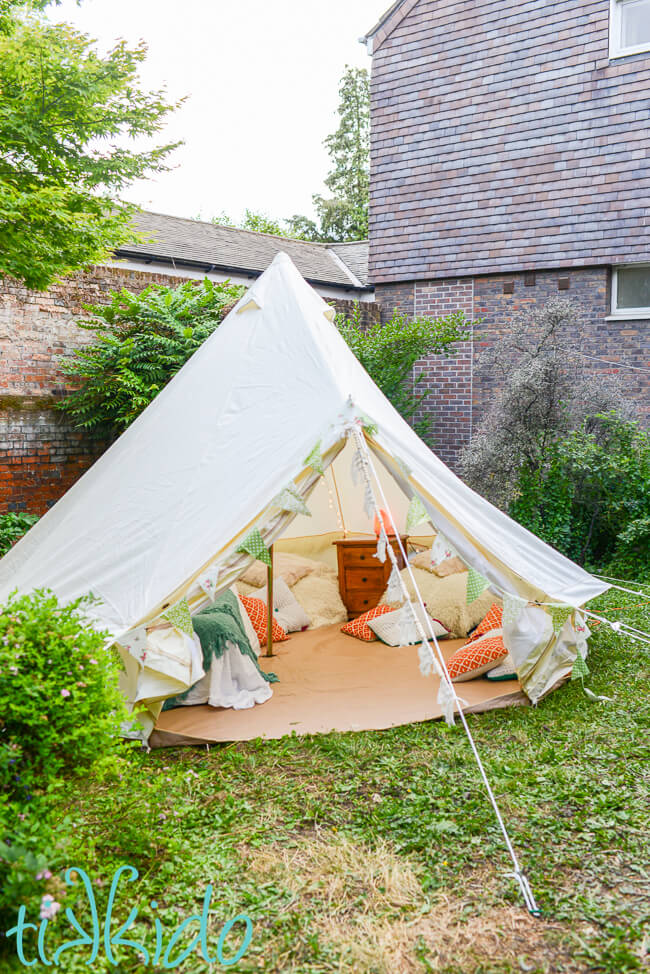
177, 240
387, 23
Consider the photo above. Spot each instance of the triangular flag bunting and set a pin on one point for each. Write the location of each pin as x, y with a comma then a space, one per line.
368, 425
179, 616
135, 642
290, 499
395, 590
441, 550
512, 608
559, 614
476, 585
208, 581
580, 669
416, 514
254, 545
315, 460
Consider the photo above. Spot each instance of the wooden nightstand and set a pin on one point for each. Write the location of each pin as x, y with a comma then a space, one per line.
362, 577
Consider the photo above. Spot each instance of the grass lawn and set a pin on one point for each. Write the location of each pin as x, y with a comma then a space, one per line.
378, 852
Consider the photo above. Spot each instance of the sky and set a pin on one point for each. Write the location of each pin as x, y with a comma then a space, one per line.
261, 79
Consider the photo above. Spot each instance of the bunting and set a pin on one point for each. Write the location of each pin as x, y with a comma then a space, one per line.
513, 605
208, 581
290, 499
395, 589
416, 514
254, 545
179, 616
441, 550
476, 585
559, 614
135, 642
315, 460
580, 669
382, 542
446, 701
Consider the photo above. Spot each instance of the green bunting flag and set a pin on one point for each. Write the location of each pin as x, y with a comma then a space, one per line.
580, 669
179, 616
513, 606
416, 514
559, 614
369, 426
290, 499
315, 460
254, 545
476, 585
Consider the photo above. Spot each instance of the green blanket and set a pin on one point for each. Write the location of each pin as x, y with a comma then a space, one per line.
217, 625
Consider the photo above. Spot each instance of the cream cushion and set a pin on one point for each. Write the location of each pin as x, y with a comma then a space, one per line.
388, 627
446, 600
448, 567
287, 610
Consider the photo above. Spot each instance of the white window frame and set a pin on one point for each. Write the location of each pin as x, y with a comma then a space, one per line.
626, 314
615, 24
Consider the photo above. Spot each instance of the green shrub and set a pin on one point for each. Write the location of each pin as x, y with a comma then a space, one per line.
591, 497
13, 527
140, 343
59, 702
60, 711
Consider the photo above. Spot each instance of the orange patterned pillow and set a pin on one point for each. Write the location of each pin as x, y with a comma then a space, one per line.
475, 658
258, 616
359, 627
493, 620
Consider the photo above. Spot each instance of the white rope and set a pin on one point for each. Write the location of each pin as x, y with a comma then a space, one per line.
518, 875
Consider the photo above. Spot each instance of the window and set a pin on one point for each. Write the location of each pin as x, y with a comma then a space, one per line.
631, 291
629, 27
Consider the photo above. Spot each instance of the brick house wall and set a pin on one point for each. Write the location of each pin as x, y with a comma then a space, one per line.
41, 454
459, 393
504, 139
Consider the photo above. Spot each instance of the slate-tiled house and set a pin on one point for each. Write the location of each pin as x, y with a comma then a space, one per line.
510, 162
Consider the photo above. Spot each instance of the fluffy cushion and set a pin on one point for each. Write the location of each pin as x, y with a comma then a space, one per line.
287, 566
451, 566
390, 630
318, 594
288, 611
477, 657
359, 627
492, 620
446, 600
258, 616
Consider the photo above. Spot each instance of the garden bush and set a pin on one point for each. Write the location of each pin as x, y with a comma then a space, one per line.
60, 711
591, 497
13, 527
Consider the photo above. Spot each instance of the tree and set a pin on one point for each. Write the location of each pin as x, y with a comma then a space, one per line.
257, 221
544, 393
344, 216
140, 343
388, 350
63, 109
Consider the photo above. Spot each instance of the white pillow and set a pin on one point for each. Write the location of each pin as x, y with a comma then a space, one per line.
388, 627
248, 625
287, 609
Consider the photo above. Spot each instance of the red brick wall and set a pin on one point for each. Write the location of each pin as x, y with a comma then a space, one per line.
41, 454
458, 394
503, 138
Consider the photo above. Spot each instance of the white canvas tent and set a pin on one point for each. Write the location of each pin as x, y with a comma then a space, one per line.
173, 498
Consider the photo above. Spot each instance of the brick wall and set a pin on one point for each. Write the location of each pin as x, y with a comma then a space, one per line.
504, 139
458, 395
41, 454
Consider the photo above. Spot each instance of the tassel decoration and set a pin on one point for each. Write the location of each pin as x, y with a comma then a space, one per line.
395, 588
446, 701
382, 543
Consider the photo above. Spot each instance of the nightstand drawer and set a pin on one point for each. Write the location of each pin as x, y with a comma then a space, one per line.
360, 601
362, 557
365, 578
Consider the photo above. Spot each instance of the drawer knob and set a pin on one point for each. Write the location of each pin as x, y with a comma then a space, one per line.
365, 601
364, 579
362, 557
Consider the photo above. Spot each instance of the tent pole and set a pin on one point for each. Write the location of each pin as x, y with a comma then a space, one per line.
269, 606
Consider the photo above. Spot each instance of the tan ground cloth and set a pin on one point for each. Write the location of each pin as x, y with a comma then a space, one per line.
331, 681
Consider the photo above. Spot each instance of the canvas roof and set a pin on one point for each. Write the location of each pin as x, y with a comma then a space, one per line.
203, 462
